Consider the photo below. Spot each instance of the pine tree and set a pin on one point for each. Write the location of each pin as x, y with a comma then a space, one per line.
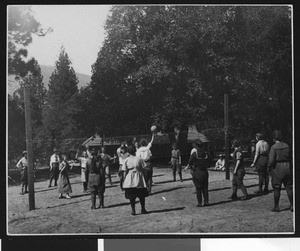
16, 113
61, 108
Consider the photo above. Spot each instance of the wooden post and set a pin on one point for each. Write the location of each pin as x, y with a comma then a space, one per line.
29, 148
226, 122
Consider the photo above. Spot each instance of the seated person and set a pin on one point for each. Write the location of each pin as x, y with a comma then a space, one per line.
220, 164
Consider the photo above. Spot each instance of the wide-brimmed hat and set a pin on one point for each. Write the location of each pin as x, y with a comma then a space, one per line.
24, 152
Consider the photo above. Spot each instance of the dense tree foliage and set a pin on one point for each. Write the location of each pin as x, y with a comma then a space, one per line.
171, 65
61, 107
21, 26
16, 113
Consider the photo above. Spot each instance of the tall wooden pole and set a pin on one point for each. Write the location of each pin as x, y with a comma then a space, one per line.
29, 148
226, 122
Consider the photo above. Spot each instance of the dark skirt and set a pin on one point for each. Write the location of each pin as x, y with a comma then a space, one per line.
133, 193
64, 185
96, 183
24, 177
200, 178
148, 173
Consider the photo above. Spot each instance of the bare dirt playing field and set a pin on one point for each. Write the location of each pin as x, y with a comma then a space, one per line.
172, 209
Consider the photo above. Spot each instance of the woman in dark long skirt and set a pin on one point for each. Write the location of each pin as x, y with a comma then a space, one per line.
199, 161
64, 185
96, 181
134, 183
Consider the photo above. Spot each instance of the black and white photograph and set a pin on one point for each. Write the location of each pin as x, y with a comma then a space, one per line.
150, 119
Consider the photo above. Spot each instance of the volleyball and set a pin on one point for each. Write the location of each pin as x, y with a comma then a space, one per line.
153, 128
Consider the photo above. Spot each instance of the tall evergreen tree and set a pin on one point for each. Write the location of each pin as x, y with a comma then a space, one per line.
61, 107
16, 113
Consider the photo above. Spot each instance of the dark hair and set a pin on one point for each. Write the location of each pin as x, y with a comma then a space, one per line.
277, 135
201, 153
131, 150
143, 142
236, 143
174, 145
199, 144
124, 148
65, 154
259, 136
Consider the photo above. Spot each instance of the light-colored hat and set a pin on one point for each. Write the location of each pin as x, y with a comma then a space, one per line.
24, 152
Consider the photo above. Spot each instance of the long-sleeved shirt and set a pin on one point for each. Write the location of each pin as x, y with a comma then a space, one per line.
54, 159
22, 163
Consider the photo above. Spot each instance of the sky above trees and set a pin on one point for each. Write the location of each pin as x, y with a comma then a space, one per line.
79, 28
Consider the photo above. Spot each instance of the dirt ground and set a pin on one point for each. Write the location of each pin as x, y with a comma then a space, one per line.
172, 209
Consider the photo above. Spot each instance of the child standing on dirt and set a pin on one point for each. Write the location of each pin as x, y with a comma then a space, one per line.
64, 185
122, 154
22, 165
84, 174
176, 162
106, 163
96, 180
238, 171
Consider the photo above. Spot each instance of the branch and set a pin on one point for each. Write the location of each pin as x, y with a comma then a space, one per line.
42, 34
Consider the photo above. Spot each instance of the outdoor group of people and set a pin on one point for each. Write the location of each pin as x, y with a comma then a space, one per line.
275, 161
135, 170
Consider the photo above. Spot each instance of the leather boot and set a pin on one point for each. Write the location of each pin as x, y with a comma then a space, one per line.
266, 189
180, 176
101, 201
205, 195
93, 198
142, 201
199, 198
276, 200
234, 191
22, 191
244, 190
290, 196
132, 203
